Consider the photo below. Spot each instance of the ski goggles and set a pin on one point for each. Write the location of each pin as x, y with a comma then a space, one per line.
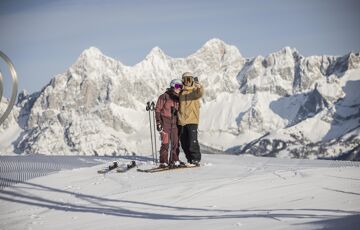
178, 86
188, 79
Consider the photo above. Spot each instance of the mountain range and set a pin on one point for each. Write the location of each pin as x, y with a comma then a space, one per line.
281, 105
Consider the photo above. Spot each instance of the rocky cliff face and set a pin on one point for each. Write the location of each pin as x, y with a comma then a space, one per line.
98, 105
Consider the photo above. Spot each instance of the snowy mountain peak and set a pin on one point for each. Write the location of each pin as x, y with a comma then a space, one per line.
156, 52
215, 42
90, 55
93, 58
287, 53
354, 61
217, 47
91, 52
288, 50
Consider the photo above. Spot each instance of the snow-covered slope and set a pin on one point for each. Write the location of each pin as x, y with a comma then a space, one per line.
263, 105
228, 192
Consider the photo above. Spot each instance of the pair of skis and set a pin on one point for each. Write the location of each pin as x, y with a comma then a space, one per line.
119, 168
167, 168
126, 167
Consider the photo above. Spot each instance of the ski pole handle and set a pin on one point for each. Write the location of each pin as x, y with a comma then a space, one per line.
148, 107
152, 106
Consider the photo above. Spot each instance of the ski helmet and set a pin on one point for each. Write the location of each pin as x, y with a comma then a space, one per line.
176, 83
187, 78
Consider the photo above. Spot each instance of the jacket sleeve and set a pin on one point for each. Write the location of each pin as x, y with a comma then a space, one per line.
196, 93
159, 106
199, 91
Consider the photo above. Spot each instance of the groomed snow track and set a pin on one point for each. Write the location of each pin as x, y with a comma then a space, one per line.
14, 169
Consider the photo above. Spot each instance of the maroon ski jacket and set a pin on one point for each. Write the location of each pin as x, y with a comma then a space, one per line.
164, 104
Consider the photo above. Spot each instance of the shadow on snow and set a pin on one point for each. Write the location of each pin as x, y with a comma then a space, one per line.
115, 207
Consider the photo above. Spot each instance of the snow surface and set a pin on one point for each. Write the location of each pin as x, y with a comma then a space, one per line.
227, 192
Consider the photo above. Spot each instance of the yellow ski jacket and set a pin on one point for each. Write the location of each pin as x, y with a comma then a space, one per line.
189, 111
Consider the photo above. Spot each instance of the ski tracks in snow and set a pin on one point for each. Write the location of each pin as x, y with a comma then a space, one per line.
213, 184
231, 189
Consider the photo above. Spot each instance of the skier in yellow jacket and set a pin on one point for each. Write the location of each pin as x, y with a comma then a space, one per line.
189, 113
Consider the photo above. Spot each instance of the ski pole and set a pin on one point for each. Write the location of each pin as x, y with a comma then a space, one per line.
148, 108
153, 109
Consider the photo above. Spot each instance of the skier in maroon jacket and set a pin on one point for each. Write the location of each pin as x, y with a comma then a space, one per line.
166, 123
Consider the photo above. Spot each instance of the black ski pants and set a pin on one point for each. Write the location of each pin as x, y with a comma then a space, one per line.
189, 142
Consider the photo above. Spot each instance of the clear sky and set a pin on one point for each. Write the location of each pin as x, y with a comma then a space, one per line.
44, 37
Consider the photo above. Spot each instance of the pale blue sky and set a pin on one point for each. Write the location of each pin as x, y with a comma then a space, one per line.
44, 37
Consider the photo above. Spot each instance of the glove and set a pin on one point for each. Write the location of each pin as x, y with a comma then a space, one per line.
174, 111
197, 85
159, 127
